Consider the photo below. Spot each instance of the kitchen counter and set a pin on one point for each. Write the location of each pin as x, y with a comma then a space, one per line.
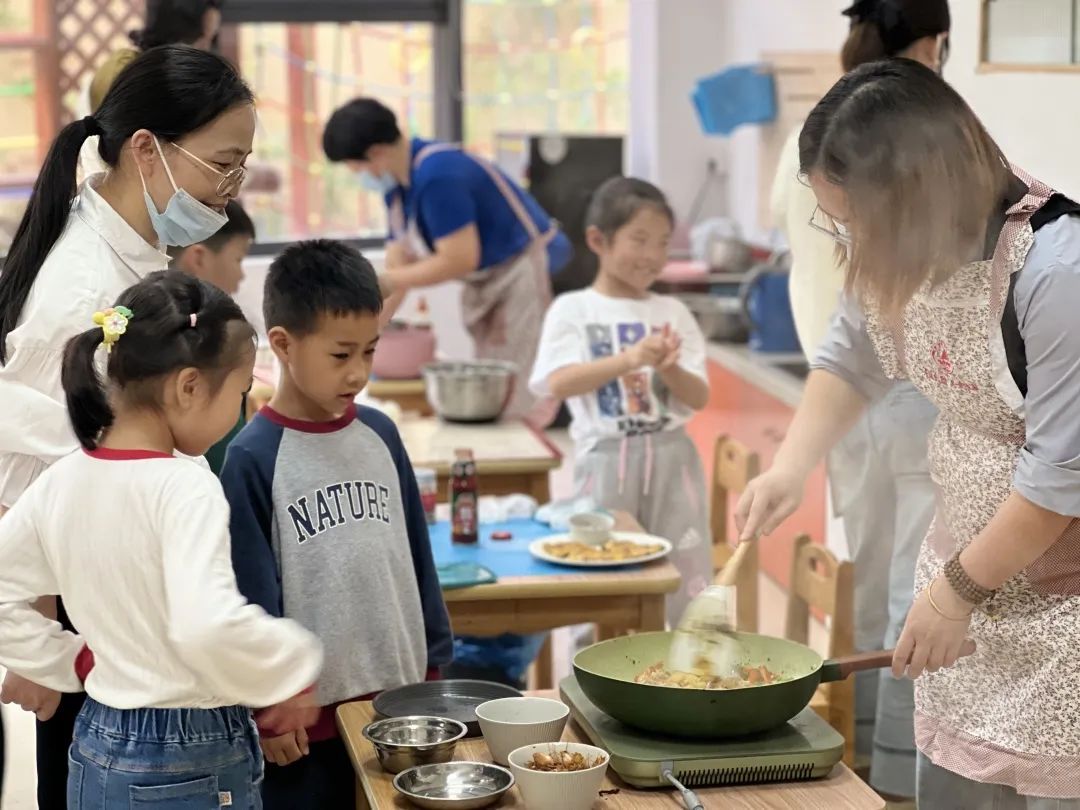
782, 376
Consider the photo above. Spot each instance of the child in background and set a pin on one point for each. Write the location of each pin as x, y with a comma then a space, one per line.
219, 261
631, 366
137, 541
327, 523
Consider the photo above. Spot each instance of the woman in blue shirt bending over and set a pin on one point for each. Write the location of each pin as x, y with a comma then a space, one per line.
456, 216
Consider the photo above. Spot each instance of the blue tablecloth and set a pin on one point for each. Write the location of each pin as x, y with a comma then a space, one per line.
504, 558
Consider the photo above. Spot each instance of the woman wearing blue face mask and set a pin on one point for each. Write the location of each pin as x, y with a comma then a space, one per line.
175, 129
454, 215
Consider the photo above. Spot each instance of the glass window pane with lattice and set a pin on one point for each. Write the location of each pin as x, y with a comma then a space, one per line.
301, 74
544, 66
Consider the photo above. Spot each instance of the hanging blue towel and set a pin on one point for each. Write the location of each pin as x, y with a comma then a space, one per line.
744, 94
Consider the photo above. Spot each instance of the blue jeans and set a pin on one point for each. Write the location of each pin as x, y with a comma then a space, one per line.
165, 759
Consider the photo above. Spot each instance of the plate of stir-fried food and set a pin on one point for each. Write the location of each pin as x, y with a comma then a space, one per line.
621, 549
658, 675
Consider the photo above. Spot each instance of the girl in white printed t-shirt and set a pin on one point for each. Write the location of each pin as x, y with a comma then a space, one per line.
631, 366
137, 542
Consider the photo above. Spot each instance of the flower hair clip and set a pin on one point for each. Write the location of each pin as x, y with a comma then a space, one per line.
113, 323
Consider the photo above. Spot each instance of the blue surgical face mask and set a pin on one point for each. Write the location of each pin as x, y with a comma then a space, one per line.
376, 183
185, 221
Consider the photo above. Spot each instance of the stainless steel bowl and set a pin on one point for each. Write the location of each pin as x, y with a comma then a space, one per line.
470, 391
405, 742
720, 317
455, 785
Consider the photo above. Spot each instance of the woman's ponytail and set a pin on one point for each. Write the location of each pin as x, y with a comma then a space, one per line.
87, 403
41, 225
864, 44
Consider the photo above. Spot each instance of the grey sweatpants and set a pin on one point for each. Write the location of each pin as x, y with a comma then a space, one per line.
940, 789
659, 480
881, 488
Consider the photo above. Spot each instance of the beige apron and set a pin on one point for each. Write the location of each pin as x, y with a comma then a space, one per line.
1009, 714
503, 306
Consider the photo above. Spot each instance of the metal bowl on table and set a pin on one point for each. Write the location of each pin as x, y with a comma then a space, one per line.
470, 391
405, 742
721, 317
455, 785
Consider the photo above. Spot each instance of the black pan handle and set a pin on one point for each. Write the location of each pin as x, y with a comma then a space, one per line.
840, 668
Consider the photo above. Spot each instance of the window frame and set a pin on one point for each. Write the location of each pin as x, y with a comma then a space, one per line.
987, 66
445, 17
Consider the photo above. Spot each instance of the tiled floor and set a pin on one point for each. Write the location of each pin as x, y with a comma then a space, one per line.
20, 775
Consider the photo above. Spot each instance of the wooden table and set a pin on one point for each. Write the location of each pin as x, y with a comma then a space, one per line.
410, 395
511, 457
841, 790
617, 601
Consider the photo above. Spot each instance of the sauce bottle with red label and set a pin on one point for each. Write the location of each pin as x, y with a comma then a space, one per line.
463, 499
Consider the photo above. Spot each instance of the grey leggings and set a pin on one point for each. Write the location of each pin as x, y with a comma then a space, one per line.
940, 789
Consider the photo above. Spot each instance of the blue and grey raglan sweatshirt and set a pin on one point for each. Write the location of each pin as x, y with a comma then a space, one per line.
328, 529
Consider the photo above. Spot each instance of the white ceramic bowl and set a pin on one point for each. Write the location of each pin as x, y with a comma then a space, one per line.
591, 528
509, 723
573, 790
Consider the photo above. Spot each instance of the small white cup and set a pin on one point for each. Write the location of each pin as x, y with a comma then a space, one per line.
554, 790
591, 528
509, 723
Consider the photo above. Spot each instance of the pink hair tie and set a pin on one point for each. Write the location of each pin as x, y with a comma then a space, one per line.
194, 318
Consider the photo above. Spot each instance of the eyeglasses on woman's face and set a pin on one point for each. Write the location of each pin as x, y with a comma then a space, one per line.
825, 224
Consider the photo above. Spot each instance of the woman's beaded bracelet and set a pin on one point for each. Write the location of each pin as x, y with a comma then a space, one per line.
965, 587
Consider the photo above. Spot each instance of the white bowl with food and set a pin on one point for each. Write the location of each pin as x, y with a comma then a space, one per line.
510, 723
591, 528
560, 776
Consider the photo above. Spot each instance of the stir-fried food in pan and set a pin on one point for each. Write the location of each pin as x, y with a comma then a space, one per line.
611, 551
657, 675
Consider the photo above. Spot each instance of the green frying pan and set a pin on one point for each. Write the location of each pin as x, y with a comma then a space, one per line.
606, 673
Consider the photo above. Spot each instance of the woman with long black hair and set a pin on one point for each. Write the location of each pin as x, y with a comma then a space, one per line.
175, 130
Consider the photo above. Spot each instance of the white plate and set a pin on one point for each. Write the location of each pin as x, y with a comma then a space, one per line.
536, 548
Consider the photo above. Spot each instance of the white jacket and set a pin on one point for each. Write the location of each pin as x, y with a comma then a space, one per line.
97, 257
817, 278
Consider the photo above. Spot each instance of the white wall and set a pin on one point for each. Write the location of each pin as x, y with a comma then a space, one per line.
675, 42
1034, 116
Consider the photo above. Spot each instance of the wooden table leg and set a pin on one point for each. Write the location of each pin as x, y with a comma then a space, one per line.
545, 666
540, 487
606, 633
653, 613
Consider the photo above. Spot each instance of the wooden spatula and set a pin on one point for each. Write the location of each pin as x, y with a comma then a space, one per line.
704, 640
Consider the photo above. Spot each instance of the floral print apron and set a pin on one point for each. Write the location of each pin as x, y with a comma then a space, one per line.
503, 306
1010, 713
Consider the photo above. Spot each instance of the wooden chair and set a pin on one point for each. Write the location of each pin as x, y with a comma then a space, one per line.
822, 584
734, 466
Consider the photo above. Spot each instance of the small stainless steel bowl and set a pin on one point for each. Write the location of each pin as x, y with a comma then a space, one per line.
454, 785
405, 742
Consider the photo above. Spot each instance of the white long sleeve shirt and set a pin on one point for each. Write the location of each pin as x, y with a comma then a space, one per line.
96, 258
817, 277
138, 544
